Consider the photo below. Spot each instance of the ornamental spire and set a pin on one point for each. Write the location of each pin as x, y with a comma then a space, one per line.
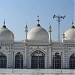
50, 28
26, 30
72, 23
38, 21
50, 40
4, 21
4, 24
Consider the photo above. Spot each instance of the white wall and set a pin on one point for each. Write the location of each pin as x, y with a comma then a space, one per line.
36, 72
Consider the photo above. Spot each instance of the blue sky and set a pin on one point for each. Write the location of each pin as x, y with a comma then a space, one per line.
18, 12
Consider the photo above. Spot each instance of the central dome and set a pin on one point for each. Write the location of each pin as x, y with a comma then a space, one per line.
38, 34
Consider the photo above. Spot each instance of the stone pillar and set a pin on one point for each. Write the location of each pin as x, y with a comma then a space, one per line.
50, 57
25, 56
9, 59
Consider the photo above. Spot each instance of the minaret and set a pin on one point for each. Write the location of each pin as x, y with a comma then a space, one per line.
50, 40
26, 30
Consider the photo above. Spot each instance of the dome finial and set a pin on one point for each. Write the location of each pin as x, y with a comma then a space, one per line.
4, 24
72, 23
38, 19
4, 21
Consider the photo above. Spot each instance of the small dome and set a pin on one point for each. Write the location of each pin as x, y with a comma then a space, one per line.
70, 34
6, 34
38, 34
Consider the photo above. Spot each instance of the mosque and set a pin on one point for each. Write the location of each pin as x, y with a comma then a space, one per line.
38, 51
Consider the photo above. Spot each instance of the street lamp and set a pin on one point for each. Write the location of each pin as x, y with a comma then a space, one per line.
59, 20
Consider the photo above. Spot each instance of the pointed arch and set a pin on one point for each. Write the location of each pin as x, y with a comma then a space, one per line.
72, 61
38, 49
3, 60
19, 60
57, 61
37, 60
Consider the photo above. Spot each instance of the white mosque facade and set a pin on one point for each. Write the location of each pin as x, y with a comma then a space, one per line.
38, 51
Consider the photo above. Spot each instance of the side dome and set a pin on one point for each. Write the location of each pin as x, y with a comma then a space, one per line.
6, 34
70, 34
38, 34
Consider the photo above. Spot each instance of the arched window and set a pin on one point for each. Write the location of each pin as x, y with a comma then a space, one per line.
37, 60
72, 61
19, 60
3, 60
57, 61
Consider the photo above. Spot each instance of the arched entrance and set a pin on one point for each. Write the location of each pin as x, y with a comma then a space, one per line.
18, 60
57, 61
3, 60
37, 60
72, 61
